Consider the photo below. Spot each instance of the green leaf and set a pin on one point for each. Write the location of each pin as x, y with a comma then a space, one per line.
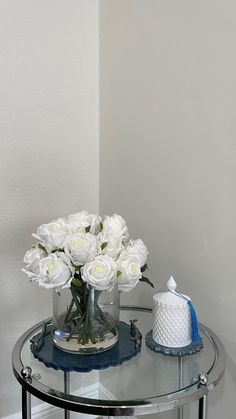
144, 268
87, 229
101, 226
57, 250
144, 279
76, 282
119, 273
40, 246
104, 245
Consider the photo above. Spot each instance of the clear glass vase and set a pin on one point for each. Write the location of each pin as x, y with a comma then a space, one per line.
85, 320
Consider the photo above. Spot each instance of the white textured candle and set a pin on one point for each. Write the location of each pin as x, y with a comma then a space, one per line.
171, 320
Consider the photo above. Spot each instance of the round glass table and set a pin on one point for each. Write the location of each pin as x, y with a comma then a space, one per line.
146, 384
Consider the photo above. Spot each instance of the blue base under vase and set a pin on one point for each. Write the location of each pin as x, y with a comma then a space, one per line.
43, 348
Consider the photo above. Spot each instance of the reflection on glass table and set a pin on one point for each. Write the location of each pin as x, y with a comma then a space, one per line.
148, 383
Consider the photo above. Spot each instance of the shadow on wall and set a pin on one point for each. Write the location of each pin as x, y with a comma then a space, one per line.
37, 190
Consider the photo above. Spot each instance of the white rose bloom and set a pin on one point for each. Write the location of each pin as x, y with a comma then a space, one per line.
137, 248
118, 226
55, 271
31, 275
100, 273
130, 273
53, 235
32, 258
81, 248
109, 244
82, 220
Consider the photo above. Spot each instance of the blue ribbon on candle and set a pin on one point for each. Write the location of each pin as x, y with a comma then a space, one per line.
194, 323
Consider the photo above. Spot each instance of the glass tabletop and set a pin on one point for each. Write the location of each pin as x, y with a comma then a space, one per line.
143, 379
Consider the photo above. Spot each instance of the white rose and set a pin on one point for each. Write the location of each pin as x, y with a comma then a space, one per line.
130, 273
81, 248
83, 220
117, 225
109, 244
53, 235
32, 258
137, 248
100, 273
55, 271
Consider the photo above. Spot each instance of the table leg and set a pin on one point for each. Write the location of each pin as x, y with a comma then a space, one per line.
202, 410
26, 404
180, 413
67, 390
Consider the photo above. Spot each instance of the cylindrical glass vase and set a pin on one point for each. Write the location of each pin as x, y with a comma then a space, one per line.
85, 320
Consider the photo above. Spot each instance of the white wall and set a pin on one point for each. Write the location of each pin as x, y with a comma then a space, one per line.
168, 151
48, 146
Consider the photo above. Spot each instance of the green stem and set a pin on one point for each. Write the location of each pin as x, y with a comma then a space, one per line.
75, 329
73, 315
69, 310
87, 316
76, 301
85, 337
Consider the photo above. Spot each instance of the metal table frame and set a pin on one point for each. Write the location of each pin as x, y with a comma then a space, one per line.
66, 401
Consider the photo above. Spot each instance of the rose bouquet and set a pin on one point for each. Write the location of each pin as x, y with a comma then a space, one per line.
86, 256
